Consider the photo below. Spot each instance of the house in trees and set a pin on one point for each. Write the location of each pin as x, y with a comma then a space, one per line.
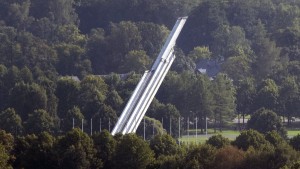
210, 67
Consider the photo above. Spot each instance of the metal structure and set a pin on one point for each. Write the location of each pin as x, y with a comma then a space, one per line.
150, 82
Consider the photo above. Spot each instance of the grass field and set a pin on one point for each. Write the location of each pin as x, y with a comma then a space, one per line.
230, 134
292, 133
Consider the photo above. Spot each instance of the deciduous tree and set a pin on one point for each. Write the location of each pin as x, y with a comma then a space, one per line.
251, 138
105, 145
10, 121
200, 156
218, 141
76, 150
224, 99
26, 98
132, 152
39, 121
164, 145
264, 120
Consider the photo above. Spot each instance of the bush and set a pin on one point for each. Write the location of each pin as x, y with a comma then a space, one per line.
218, 141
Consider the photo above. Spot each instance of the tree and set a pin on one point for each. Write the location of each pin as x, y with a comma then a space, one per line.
35, 151
218, 141
243, 13
4, 158
245, 97
10, 121
43, 27
284, 154
200, 52
203, 20
287, 14
274, 138
164, 145
181, 83
71, 60
26, 75
114, 81
267, 95
105, 145
76, 150
114, 100
94, 14
26, 98
153, 127
153, 37
264, 120
39, 121
97, 84
272, 157
229, 41
92, 95
96, 50
107, 115
127, 86
4, 9
287, 96
251, 138
31, 51
166, 162
11, 78
200, 156
287, 39
122, 38
7, 46
267, 58
3, 91
52, 101
6, 149
72, 114
7, 140
229, 157
182, 63
295, 165
224, 96
136, 61
258, 158
294, 142
168, 112
132, 152
18, 15
67, 91
201, 98
63, 11
238, 67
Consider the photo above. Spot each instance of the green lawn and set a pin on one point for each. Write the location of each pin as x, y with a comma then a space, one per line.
292, 133
230, 134
201, 138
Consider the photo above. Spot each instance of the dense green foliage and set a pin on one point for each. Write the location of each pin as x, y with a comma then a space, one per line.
74, 63
58, 61
76, 149
264, 121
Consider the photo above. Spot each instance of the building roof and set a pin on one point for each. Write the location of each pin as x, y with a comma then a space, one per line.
210, 67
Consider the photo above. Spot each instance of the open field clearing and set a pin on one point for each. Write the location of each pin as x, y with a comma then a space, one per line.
230, 134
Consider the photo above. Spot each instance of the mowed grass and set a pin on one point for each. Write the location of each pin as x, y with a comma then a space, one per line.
292, 133
201, 138
230, 134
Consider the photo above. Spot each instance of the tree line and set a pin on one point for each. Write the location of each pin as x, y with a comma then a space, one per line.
75, 149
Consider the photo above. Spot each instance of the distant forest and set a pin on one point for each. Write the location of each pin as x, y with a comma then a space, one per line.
64, 61
54, 56
51, 52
